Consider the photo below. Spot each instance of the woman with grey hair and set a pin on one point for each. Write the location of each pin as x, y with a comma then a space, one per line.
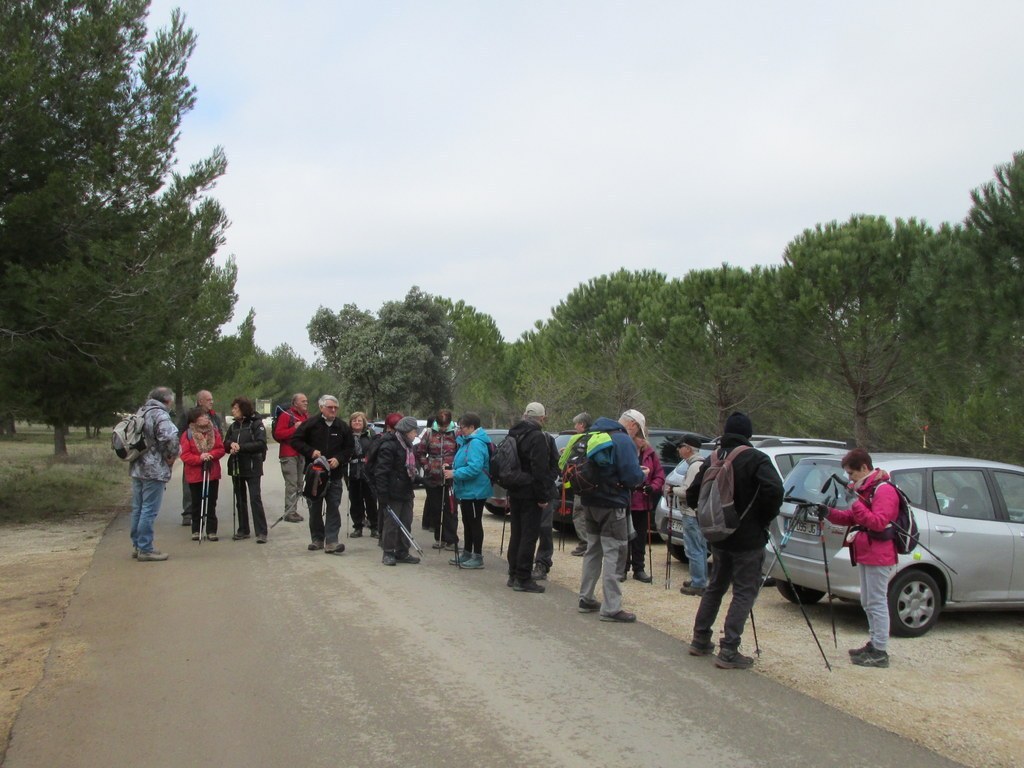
393, 473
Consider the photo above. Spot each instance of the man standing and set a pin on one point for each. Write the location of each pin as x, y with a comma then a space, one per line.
737, 559
151, 471
292, 462
204, 400
331, 437
528, 495
581, 423
693, 540
604, 512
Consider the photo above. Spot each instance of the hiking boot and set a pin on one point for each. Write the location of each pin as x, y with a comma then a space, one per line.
261, 538
374, 534
870, 658
540, 572
314, 545
699, 648
511, 581
687, 589
474, 563
863, 649
293, 517
621, 578
195, 537
527, 585
444, 545
239, 535
460, 559
589, 605
135, 553
389, 559
407, 558
580, 551
643, 576
153, 556
186, 519
334, 548
624, 617
357, 533
211, 537
729, 658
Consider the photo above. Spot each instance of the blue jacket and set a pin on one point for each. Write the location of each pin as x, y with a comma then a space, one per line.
623, 475
472, 465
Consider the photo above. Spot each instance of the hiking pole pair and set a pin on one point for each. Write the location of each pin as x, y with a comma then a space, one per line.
204, 505
403, 529
671, 504
799, 602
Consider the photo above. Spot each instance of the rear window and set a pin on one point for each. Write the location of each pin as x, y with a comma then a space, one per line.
812, 480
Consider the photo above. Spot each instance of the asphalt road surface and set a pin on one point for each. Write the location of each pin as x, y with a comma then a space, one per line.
238, 654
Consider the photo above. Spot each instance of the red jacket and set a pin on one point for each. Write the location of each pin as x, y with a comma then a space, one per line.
191, 461
641, 498
284, 430
876, 505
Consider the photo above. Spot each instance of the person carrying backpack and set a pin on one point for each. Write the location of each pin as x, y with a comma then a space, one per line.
875, 508
293, 463
738, 558
150, 472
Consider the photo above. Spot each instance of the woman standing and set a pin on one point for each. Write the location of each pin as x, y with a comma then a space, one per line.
201, 451
472, 487
644, 496
362, 506
872, 548
247, 443
393, 472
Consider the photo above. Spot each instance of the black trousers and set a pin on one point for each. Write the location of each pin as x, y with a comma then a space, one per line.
196, 491
743, 571
524, 522
638, 545
437, 509
249, 486
473, 524
362, 504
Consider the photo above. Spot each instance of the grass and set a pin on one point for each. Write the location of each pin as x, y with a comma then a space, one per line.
37, 486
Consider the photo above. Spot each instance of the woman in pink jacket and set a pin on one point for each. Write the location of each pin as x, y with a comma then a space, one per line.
872, 548
642, 500
202, 449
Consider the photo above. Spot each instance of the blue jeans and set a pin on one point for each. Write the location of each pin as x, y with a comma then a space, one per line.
147, 496
696, 551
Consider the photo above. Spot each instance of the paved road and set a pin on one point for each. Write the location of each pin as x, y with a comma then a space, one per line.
238, 654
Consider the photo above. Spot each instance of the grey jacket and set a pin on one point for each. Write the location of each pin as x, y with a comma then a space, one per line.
161, 444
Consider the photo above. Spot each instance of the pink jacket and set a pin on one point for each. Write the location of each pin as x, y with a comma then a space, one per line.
876, 505
639, 499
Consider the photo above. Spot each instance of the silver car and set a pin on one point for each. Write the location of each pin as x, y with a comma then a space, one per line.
970, 514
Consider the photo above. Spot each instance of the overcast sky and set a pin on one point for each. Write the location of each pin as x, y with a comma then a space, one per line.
504, 152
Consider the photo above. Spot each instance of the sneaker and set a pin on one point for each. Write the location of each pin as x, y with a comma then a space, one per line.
261, 538
444, 545
389, 559
687, 589
863, 649
621, 578
135, 553
239, 535
212, 537
334, 548
643, 576
407, 558
698, 648
153, 556
373, 533
511, 581
624, 617
580, 551
314, 545
728, 658
195, 537
460, 559
293, 517
474, 563
186, 519
527, 585
870, 658
357, 533
540, 572
588, 605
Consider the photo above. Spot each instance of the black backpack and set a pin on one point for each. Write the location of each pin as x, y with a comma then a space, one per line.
903, 530
505, 467
584, 470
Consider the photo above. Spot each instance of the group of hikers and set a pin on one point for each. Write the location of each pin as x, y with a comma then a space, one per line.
614, 490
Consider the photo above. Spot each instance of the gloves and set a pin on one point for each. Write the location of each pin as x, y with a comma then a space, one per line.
821, 510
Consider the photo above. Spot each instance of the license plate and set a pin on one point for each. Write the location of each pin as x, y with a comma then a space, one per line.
676, 526
805, 526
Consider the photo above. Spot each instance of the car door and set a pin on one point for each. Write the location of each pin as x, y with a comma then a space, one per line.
1011, 488
967, 534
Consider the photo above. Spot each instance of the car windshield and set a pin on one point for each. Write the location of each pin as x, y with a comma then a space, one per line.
818, 481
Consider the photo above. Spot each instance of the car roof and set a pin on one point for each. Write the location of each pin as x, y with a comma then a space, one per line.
897, 461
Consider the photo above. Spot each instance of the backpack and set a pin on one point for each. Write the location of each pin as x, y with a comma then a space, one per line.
318, 474
280, 410
128, 438
903, 530
588, 457
505, 467
716, 507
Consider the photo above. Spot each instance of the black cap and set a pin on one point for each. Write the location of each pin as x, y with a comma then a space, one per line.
688, 439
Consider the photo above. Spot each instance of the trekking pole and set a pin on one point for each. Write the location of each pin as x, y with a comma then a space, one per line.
799, 602
753, 627
650, 547
403, 529
787, 533
670, 503
828, 581
204, 503
455, 519
504, 521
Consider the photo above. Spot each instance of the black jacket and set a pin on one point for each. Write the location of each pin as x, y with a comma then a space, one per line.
360, 448
391, 479
251, 436
333, 442
538, 462
753, 473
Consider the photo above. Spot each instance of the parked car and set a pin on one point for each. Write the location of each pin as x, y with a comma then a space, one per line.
498, 503
970, 514
784, 453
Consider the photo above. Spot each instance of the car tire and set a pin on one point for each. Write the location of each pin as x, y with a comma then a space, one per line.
797, 594
915, 603
679, 552
496, 511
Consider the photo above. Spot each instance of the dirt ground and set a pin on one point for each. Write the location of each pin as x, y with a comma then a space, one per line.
959, 690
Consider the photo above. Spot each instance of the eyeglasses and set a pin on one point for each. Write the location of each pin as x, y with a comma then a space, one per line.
330, 407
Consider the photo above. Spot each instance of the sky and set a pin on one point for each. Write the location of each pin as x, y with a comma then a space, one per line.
502, 153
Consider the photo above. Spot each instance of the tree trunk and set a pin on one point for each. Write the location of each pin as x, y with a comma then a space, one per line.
860, 426
60, 440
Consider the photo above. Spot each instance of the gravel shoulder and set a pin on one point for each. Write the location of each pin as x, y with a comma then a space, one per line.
959, 690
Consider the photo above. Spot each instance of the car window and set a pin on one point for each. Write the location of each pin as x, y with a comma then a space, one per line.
1011, 486
912, 484
807, 480
962, 493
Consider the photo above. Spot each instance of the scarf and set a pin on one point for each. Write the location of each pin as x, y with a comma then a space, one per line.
203, 437
410, 457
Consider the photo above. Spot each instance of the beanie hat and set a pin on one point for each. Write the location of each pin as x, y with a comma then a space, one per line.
406, 424
392, 419
739, 424
534, 409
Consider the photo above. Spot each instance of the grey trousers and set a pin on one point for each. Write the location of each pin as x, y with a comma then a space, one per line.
292, 469
741, 570
606, 551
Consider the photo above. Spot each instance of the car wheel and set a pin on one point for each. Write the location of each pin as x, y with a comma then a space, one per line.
496, 511
914, 603
797, 594
679, 552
